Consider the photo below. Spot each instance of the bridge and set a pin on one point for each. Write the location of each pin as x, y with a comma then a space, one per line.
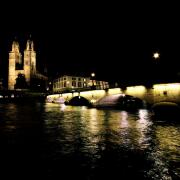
169, 92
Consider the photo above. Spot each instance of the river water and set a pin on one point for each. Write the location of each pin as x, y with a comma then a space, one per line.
52, 141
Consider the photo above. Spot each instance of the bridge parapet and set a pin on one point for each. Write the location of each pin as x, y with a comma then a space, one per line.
158, 93
114, 91
166, 92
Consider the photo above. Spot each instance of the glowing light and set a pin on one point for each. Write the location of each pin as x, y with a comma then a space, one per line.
156, 55
92, 74
93, 101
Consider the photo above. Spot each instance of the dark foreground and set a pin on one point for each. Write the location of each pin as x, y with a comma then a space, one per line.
43, 140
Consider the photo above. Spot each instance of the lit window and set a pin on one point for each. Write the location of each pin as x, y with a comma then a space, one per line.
74, 83
79, 84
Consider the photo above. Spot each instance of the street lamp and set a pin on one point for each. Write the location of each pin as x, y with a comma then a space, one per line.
156, 55
157, 68
92, 75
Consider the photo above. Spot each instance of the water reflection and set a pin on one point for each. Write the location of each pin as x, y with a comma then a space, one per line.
166, 153
101, 131
124, 119
94, 143
143, 125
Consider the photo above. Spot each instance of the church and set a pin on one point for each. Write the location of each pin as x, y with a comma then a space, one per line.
24, 65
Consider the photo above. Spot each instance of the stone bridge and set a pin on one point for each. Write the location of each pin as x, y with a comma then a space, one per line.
157, 93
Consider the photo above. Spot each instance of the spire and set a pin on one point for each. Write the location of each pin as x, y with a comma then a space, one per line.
15, 46
30, 45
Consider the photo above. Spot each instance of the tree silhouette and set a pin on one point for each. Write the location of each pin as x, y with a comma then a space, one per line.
21, 82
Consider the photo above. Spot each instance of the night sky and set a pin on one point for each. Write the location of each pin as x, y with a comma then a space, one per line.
116, 42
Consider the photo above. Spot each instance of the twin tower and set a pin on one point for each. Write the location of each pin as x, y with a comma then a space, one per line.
25, 65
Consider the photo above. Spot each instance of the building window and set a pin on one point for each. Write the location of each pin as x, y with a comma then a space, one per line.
79, 79
79, 84
64, 84
74, 83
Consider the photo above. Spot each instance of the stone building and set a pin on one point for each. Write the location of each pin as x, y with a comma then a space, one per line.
70, 83
25, 65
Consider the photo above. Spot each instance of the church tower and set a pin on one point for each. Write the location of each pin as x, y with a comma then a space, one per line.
25, 67
29, 61
14, 58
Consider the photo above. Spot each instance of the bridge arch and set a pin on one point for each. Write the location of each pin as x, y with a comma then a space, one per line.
167, 110
165, 102
78, 101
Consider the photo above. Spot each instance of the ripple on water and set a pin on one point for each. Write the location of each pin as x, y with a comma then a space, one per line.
96, 143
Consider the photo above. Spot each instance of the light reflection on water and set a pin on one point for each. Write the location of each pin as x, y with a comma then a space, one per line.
92, 142
104, 130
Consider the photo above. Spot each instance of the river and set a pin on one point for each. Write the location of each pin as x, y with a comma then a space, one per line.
46, 140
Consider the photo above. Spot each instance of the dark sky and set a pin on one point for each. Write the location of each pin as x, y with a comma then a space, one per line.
115, 41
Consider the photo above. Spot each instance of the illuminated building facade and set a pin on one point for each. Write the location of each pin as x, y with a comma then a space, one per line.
76, 82
25, 66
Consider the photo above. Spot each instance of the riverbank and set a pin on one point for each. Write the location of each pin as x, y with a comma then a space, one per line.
22, 96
